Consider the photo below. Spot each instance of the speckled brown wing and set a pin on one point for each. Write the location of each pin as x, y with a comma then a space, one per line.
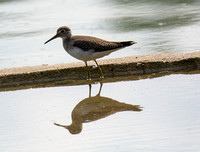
87, 43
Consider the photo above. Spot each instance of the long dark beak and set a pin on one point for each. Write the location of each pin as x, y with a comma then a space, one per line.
60, 125
55, 36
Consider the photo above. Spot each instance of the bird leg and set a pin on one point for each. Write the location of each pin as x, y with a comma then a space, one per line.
89, 75
101, 85
101, 73
90, 89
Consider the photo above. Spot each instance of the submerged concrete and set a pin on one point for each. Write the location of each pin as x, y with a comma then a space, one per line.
72, 72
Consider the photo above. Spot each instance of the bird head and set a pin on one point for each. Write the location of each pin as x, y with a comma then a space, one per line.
74, 128
63, 32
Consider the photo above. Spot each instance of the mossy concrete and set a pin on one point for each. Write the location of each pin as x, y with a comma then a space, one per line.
127, 66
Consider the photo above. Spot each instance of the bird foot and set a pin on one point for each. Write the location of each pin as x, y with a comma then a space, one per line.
89, 79
101, 77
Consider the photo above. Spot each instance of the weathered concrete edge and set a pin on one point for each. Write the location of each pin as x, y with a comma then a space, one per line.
135, 65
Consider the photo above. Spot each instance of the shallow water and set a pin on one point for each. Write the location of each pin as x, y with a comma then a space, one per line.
159, 26
169, 120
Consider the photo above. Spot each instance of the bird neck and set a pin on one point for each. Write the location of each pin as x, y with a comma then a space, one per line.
66, 40
66, 43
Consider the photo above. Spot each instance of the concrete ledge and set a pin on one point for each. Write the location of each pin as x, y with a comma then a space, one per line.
127, 66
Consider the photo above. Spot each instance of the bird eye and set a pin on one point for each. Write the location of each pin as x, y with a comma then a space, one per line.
62, 31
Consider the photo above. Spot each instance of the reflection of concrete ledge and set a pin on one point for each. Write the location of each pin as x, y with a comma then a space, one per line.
135, 65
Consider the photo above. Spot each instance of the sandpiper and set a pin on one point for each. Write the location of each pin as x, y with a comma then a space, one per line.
87, 48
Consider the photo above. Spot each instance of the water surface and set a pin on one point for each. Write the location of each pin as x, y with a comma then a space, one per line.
159, 26
165, 117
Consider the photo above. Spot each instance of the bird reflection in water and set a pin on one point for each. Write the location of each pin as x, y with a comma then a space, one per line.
95, 108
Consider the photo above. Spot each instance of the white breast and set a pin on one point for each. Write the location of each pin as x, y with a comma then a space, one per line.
86, 55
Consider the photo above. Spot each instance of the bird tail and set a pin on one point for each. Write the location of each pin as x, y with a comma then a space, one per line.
127, 43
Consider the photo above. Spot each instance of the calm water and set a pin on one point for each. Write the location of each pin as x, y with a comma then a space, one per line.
159, 26
159, 114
